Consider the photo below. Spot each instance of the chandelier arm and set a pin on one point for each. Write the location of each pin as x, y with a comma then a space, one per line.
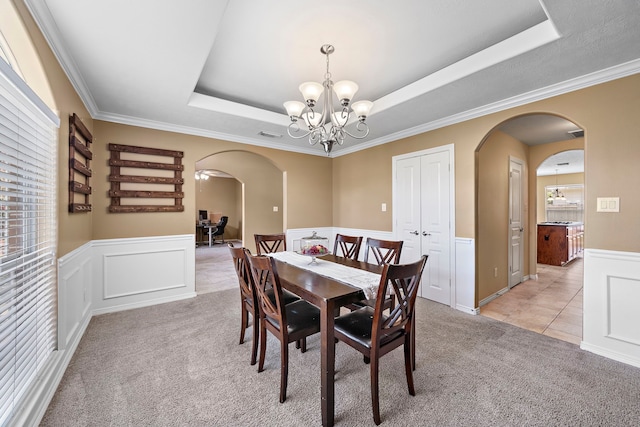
361, 127
296, 129
317, 135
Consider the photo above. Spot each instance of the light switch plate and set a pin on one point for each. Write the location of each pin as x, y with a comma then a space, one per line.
608, 204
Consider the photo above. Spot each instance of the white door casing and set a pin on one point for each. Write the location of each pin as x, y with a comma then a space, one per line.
516, 221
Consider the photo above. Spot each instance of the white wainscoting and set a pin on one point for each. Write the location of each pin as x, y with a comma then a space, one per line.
464, 276
611, 315
74, 296
137, 272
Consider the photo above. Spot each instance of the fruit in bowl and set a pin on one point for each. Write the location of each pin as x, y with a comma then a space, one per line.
315, 250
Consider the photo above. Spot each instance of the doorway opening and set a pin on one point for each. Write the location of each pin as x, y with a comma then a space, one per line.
247, 188
548, 299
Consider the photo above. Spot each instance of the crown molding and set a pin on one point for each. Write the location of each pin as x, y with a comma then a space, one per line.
592, 79
42, 16
188, 130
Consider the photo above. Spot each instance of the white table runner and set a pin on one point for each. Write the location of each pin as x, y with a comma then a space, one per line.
362, 279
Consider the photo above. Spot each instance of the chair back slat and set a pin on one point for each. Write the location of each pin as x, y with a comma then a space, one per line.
241, 266
270, 243
265, 276
384, 251
404, 279
348, 246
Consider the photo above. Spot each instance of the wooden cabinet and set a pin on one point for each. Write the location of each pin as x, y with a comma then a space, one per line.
559, 243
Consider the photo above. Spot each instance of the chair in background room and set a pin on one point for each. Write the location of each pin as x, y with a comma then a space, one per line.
288, 323
348, 246
374, 334
248, 298
270, 243
218, 230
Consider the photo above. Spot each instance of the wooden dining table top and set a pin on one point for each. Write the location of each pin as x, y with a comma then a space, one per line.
314, 287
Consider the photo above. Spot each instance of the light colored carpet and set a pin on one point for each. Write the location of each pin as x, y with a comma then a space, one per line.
179, 364
214, 268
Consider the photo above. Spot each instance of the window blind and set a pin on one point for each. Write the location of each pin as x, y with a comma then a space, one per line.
28, 297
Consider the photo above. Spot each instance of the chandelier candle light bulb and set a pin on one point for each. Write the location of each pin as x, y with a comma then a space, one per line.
328, 126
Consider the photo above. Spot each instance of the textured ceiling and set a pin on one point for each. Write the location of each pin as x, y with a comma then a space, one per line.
222, 69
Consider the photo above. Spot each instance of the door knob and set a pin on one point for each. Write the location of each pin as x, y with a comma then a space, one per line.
414, 232
424, 233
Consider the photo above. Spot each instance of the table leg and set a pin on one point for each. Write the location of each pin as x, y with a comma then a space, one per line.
327, 364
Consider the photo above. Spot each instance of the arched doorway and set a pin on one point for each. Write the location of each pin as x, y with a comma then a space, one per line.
531, 139
254, 191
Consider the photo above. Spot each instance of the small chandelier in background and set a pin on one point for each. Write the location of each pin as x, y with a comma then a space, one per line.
201, 175
328, 127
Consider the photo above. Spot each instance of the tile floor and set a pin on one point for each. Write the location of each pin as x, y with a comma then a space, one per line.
550, 305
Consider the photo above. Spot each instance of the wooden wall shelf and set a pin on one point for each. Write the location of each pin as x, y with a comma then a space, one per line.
116, 178
80, 157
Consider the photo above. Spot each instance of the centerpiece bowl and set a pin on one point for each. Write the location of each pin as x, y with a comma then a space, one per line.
314, 246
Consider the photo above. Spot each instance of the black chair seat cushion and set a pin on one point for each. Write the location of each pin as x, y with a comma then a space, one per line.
301, 315
287, 297
357, 325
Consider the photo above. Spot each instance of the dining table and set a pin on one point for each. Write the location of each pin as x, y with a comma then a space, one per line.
318, 286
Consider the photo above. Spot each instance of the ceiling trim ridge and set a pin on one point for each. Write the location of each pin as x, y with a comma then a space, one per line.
42, 16
518, 44
602, 76
525, 41
187, 130
220, 105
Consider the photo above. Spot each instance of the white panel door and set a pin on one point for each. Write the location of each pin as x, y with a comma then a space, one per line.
435, 233
422, 214
407, 208
516, 223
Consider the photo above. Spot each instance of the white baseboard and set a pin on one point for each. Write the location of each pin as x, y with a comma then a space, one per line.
610, 354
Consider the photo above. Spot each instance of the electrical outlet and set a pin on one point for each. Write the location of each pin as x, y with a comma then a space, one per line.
495, 272
384, 207
275, 209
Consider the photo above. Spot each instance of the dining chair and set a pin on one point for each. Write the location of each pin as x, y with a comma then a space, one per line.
384, 251
288, 323
349, 246
248, 298
375, 334
270, 243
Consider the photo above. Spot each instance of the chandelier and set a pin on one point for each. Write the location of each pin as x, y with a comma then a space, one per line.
328, 127
201, 175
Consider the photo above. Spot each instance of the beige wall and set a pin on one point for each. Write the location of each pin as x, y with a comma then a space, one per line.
270, 178
493, 211
347, 191
607, 112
